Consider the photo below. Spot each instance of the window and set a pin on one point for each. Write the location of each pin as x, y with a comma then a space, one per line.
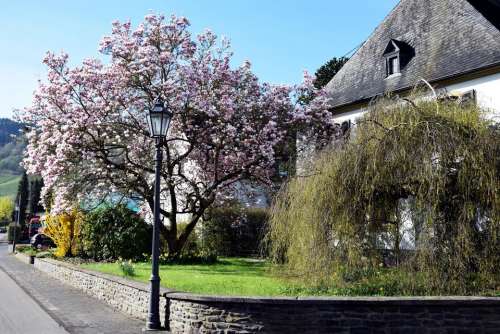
283, 167
393, 65
345, 127
461, 98
397, 55
343, 132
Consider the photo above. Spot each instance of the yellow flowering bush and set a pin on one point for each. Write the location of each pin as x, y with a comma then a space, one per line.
65, 230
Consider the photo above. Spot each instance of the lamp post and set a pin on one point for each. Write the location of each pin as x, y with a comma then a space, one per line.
18, 211
159, 122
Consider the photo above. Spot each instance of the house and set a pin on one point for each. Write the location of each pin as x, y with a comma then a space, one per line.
452, 44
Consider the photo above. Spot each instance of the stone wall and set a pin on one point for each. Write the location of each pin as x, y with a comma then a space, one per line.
198, 314
124, 295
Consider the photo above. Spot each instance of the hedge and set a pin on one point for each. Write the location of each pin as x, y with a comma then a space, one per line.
234, 231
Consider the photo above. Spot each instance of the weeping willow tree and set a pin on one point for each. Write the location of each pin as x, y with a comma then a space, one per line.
418, 181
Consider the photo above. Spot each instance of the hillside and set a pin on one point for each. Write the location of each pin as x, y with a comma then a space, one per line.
8, 185
11, 151
7, 129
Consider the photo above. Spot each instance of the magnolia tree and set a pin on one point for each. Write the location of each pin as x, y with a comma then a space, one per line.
89, 134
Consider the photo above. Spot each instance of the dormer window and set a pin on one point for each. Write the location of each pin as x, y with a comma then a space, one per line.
397, 55
393, 65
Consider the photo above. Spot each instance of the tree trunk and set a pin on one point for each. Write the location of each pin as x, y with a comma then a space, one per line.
397, 241
169, 242
175, 243
397, 235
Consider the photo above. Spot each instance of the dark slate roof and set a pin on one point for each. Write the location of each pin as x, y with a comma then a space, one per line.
448, 37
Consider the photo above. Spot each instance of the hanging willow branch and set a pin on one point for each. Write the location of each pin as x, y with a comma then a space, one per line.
431, 167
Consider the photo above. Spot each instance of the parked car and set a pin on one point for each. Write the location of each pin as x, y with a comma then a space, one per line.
40, 240
3, 229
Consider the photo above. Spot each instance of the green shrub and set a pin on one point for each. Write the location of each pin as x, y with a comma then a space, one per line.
200, 257
10, 233
44, 254
31, 252
216, 231
234, 231
383, 282
192, 252
23, 248
110, 233
126, 267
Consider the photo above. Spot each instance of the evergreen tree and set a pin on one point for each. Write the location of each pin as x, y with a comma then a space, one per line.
327, 71
323, 75
23, 194
34, 195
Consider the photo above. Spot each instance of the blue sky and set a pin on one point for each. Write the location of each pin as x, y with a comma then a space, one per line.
281, 38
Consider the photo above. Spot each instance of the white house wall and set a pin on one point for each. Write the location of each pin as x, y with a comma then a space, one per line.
488, 97
487, 92
349, 116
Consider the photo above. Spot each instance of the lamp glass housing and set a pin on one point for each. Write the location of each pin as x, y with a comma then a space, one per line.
159, 120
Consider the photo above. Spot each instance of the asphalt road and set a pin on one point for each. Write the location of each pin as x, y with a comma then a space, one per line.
32, 302
19, 313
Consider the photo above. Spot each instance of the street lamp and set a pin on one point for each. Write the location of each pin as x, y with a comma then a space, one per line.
18, 211
159, 122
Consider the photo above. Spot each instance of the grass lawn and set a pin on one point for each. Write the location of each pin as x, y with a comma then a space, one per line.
248, 277
229, 276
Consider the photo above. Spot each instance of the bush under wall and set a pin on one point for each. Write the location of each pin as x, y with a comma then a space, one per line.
10, 233
234, 231
112, 233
